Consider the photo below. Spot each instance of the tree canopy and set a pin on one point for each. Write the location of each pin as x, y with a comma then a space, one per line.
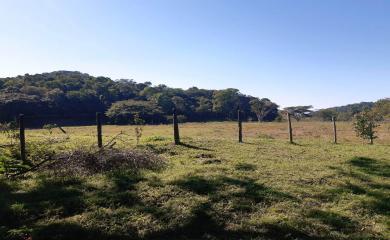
300, 112
72, 94
264, 109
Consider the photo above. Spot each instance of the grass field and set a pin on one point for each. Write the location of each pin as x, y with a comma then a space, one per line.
212, 187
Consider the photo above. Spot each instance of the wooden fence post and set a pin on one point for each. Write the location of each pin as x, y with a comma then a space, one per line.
175, 128
99, 129
371, 135
239, 125
290, 133
334, 130
22, 138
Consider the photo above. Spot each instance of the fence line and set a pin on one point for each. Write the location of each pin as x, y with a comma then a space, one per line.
176, 135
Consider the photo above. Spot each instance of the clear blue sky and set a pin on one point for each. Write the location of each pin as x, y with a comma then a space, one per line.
322, 53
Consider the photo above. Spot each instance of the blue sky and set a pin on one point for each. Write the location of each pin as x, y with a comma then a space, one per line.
295, 52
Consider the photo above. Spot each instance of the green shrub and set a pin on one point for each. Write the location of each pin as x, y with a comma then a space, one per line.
365, 124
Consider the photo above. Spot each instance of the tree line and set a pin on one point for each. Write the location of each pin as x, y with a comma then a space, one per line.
380, 109
75, 94
78, 96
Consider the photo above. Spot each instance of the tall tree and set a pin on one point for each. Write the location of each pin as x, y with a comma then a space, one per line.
299, 112
264, 109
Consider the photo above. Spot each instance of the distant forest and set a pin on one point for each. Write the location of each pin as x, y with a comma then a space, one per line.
343, 113
70, 97
78, 96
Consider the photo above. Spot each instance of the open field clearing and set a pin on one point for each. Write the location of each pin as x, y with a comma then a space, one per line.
211, 187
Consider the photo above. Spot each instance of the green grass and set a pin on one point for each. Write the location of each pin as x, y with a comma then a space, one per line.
212, 188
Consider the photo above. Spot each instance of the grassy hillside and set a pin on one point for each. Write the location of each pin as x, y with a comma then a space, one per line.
212, 187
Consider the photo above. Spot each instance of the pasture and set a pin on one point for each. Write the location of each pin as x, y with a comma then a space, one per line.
212, 187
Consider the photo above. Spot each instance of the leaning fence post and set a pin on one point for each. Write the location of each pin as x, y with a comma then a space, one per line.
175, 128
290, 134
334, 130
239, 125
22, 138
99, 129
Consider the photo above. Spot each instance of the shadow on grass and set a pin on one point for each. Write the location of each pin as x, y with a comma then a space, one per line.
56, 231
204, 225
59, 198
361, 180
194, 147
377, 192
125, 180
371, 166
63, 196
197, 184
208, 222
121, 194
336, 221
215, 188
220, 202
19, 209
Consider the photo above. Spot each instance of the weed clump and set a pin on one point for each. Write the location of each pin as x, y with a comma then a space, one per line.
87, 162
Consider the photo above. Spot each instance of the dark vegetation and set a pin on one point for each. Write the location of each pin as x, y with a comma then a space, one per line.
68, 97
65, 94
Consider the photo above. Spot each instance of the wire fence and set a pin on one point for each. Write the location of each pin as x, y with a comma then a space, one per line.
100, 136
